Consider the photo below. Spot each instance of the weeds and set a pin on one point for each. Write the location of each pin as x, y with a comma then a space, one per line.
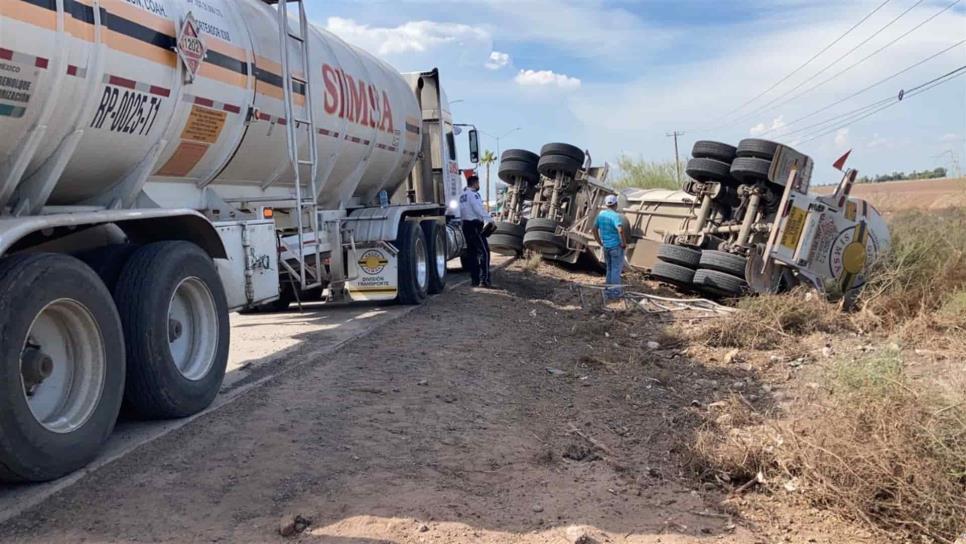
769, 321
877, 448
923, 275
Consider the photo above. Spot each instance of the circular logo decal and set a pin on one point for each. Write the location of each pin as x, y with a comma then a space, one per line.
849, 255
373, 262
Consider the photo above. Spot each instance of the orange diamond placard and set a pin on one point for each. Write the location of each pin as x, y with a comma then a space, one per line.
191, 48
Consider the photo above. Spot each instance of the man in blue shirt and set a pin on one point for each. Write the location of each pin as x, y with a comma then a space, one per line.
609, 231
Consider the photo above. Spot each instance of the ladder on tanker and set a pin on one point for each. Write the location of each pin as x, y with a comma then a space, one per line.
309, 276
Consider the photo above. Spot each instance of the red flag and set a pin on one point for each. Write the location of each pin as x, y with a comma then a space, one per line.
840, 164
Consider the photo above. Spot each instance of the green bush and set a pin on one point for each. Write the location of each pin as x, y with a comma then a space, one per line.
643, 174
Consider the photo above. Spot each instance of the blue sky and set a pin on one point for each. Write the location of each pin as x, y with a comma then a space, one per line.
615, 76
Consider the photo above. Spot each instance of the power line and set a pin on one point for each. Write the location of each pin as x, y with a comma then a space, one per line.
903, 95
864, 89
809, 61
772, 104
870, 55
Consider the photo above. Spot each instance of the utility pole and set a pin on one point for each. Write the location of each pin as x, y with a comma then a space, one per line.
677, 160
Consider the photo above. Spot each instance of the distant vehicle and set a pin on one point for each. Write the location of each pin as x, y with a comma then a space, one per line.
165, 162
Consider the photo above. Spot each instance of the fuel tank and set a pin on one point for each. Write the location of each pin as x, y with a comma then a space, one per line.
97, 106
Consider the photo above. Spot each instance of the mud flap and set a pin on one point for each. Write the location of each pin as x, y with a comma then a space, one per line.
373, 274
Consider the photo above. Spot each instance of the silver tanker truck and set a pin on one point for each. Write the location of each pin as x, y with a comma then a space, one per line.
166, 162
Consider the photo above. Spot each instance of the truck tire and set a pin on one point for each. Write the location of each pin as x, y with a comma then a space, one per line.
542, 225
719, 283
750, 169
513, 170
679, 255
544, 242
718, 151
510, 229
565, 150
757, 149
438, 249
672, 273
506, 244
51, 305
551, 165
175, 315
108, 261
724, 262
709, 170
521, 155
413, 264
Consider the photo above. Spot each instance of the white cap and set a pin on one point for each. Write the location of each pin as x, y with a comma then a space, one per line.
611, 200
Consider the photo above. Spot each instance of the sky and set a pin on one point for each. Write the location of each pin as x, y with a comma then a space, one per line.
615, 77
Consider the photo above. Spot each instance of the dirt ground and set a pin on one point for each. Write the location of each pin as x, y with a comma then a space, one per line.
896, 196
513, 415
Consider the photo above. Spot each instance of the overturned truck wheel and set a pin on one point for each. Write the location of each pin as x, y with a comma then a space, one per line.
672, 273
62, 373
546, 243
175, 315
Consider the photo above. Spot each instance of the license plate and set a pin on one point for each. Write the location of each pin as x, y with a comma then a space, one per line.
793, 228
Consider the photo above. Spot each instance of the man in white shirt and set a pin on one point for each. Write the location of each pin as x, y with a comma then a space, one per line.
473, 218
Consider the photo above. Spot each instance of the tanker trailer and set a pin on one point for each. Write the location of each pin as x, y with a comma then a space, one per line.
165, 162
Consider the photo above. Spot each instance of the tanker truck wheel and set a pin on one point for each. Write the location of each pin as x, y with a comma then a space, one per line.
63, 379
438, 252
176, 329
413, 262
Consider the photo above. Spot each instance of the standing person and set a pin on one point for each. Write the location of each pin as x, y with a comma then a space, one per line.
474, 218
610, 234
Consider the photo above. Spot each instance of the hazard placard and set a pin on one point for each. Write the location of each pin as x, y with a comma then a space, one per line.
191, 47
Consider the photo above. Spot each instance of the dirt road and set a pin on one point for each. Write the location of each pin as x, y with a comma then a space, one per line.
485, 416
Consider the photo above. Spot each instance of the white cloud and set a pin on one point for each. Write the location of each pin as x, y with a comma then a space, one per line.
546, 78
777, 123
877, 141
409, 37
497, 60
950, 137
841, 138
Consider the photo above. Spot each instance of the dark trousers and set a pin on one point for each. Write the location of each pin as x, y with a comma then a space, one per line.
478, 252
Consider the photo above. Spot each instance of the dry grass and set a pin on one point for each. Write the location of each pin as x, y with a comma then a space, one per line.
769, 321
876, 448
875, 445
921, 285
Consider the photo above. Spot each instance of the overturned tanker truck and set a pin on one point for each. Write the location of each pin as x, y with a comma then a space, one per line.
164, 163
747, 223
564, 194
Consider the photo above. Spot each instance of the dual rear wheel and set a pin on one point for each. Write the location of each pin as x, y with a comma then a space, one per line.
150, 330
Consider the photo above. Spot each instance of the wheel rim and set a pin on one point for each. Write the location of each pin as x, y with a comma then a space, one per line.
440, 253
193, 328
422, 264
63, 365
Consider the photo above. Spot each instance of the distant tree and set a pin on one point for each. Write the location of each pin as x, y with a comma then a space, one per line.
487, 160
935, 173
643, 174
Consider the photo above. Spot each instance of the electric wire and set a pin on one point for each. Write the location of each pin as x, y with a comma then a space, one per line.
882, 105
859, 92
807, 62
774, 103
